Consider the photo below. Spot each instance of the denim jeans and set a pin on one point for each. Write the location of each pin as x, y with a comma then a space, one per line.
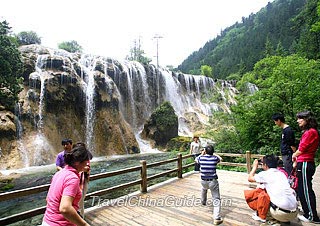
215, 193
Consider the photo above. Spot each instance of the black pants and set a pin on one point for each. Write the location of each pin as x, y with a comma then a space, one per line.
287, 163
196, 165
305, 172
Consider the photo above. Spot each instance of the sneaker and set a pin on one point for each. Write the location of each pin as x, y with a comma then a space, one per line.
257, 218
217, 221
316, 221
302, 218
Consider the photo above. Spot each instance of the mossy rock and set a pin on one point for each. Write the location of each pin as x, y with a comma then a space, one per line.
162, 125
180, 143
6, 184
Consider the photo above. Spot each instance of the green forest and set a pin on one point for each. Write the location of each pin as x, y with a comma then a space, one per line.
276, 50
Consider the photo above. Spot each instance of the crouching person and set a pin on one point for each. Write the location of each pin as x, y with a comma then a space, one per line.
283, 203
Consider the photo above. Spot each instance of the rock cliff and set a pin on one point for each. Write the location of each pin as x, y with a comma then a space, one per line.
97, 100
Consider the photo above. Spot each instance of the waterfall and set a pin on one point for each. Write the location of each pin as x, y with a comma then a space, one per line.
39, 64
41, 144
19, 130
132, 91
88, 64
129, 68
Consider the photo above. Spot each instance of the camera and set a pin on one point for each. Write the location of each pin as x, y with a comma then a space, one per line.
259, 161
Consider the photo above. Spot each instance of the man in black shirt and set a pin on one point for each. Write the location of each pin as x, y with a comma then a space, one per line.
287, 141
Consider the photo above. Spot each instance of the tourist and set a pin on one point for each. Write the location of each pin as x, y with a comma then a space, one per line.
209, 180
84, 181
195, 150
303, 160
64, 193
283, 203
67, 146
287, 144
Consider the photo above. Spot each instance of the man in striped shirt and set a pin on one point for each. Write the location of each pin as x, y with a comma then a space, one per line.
209, 180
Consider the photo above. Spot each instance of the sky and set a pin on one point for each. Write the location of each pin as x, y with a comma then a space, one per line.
110, 27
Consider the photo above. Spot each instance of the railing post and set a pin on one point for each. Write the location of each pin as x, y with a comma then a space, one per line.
248, 161
179, 165
143, 174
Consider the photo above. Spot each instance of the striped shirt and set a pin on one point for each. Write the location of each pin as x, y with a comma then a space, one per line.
208, 165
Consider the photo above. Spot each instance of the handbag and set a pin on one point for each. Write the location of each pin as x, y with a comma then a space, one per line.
293, 179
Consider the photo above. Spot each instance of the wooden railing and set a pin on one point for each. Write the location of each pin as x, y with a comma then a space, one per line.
143, 181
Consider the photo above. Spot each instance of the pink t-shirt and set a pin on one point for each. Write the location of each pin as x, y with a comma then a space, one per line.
64, 183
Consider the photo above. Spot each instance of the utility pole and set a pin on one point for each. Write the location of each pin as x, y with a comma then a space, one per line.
157, 37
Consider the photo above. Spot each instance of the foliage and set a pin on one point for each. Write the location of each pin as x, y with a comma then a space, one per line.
137, 53
10, 68
222, 131
28, 37
164, 116
180, 144
206, 71
306, 23
282, 24
285, 84
316, 26
70, 46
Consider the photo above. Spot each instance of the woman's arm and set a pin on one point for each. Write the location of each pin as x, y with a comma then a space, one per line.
67, 210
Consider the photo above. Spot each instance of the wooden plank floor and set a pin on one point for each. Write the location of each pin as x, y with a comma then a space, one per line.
177, 202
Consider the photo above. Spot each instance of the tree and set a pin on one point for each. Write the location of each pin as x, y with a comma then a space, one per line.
10, 68
70, 46
206, 70
137, 53
268, 48
28, 37
285, 84
316, 26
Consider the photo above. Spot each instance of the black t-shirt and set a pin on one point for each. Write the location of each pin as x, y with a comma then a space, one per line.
287, 140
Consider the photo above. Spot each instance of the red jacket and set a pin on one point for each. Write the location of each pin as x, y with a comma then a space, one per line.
258, 200
308, 146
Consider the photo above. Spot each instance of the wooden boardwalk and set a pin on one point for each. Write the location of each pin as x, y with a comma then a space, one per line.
177, 202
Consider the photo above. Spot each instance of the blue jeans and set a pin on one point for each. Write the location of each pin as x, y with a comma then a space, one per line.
215, 193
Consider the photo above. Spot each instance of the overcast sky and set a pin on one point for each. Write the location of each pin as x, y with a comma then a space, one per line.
109, 27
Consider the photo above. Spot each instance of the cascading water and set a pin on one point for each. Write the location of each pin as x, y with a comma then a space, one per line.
129, 69
21, 147
88, 64
134, 89
40, 61
40, 142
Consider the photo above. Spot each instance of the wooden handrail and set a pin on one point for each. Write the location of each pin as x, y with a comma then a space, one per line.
143, 181
114, 173
23, 192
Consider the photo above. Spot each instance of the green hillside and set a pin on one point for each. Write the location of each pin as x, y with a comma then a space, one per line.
283, 27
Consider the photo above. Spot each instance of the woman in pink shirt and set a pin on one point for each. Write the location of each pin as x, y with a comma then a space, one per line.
303, 159
64, 193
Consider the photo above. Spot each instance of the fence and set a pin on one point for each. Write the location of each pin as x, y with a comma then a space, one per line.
143, 181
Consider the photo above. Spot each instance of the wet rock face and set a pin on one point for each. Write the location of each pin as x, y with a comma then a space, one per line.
54, 105
102, 102
7, 125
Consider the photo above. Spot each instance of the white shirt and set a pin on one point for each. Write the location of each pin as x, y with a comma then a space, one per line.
195, 147
278, 188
